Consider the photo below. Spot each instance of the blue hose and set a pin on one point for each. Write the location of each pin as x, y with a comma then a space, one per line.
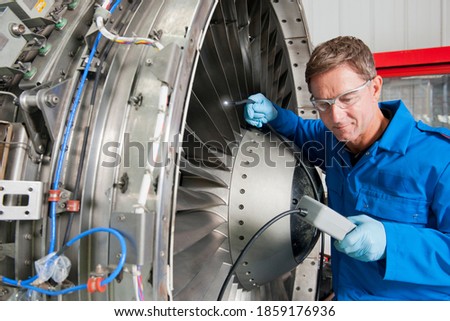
67, 133
62, 153
109, 279
66, 136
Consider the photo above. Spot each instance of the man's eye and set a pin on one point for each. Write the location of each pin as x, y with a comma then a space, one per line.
323, 104
347, 99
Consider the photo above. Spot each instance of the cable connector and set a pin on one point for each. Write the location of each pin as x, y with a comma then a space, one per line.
94, 285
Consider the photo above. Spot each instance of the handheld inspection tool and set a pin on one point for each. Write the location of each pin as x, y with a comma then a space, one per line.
324, 218
238, 102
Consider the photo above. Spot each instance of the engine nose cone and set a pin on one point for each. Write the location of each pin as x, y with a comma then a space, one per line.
268, 178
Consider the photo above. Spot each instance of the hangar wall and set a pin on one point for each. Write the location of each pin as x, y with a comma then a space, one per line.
385, 25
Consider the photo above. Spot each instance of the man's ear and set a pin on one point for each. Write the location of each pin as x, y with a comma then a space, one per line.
377, 84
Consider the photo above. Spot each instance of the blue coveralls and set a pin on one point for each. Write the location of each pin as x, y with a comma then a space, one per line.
402, 180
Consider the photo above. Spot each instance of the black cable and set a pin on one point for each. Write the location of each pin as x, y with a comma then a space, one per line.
322, 240
249, 244
320, 273
318, 197
121, 26
76, 191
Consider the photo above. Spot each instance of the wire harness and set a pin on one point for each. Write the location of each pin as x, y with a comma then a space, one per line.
102, 15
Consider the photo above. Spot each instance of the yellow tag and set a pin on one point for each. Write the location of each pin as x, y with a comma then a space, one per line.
40, 5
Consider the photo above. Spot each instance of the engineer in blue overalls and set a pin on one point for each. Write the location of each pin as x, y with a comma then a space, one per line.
386, 172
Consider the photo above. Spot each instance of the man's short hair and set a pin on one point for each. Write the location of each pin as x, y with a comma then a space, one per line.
340, 51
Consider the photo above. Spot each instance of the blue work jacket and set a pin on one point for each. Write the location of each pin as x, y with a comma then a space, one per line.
402, 180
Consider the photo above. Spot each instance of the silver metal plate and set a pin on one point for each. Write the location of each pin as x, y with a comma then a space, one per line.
21, 200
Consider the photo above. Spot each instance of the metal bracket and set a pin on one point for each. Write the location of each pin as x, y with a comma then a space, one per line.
48, 99
21, 200
7, 250
94, 66
165, 63
307, 112
136, 228
65, 196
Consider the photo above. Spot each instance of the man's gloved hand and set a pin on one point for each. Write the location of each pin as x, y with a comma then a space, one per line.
367, 242
260, 112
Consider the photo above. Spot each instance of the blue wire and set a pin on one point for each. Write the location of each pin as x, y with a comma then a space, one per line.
68, 131
122, 245
115, 6
66, 136
61, 156
106, 281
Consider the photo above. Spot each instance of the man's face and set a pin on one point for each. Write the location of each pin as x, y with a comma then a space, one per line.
357, 121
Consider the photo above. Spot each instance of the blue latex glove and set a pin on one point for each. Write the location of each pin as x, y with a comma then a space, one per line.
367, 241
260, 112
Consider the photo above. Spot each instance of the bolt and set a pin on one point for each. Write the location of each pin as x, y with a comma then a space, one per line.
27, 236
17, 29
123, 183
52, 100
99, 269
3, 291
121, 218
134, 100
149, 62
22, 66
27, 262
38, 42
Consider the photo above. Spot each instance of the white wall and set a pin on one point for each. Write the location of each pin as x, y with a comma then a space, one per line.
384, 25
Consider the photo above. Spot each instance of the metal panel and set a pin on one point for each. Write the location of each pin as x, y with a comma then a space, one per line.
26, 9
21, 200
445, 24
389, 31
322, 19
354, 13
423, 23
10, 44
385, 25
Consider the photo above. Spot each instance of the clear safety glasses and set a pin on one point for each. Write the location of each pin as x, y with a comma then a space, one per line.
344, 100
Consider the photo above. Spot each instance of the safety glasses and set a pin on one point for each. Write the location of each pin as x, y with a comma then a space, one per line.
344, 100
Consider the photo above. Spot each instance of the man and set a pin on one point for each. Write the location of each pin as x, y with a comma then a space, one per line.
387, 173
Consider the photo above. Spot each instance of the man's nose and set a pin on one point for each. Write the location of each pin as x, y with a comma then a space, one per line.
336, 112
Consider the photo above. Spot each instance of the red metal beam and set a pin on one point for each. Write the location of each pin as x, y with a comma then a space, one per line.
416, 62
